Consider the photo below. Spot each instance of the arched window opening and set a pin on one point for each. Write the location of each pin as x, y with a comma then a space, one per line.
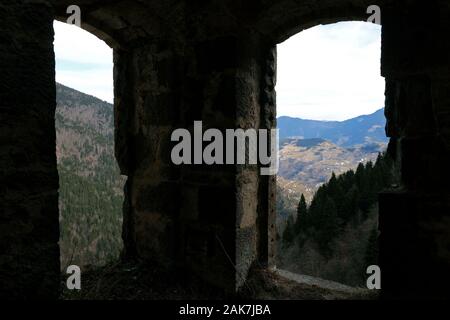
330, 107
91, 187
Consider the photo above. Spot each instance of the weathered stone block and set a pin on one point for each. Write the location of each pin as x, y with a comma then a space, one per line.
217, 205
217, 55
414, 261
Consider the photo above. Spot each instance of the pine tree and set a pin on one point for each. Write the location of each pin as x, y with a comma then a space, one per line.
288, 234
302, 212
332, 184
371, 255
329, 227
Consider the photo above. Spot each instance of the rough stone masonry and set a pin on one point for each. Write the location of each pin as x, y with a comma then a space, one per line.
177, 61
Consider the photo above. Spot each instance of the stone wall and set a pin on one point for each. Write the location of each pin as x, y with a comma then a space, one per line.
200, 216
415, 218
29, 227
215, 61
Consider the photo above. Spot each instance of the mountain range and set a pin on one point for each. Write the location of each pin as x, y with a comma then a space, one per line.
311, 150
311, 162
91, 186
360, 130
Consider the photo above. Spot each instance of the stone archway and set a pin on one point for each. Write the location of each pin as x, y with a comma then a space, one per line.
416, 72
283, 19
176, 62
276, 23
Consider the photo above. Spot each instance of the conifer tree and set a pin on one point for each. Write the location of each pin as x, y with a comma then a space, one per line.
371, 255
302, 212
329, 226
288, 233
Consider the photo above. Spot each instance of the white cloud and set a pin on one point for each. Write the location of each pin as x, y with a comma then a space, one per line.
83, 61
331, 72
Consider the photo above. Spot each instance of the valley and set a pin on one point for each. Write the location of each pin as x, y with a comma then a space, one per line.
91, 195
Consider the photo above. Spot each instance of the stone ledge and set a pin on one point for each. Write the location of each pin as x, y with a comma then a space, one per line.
276, 284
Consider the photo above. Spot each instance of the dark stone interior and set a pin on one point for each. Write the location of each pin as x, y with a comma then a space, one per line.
178, 61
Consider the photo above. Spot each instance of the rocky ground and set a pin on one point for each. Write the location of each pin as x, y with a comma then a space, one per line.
140, 281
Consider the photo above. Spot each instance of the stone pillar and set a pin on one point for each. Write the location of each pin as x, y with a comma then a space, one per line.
415, 218
146, 113
256, 193
236, 78
268, 184
29, 225
211, 220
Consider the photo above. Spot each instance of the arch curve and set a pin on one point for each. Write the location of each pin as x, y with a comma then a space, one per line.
118, 23
93, 28
286, 18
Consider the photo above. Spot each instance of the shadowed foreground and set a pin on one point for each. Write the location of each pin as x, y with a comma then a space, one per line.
139, 281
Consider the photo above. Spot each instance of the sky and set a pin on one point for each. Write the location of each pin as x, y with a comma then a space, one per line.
83, 61
328, 72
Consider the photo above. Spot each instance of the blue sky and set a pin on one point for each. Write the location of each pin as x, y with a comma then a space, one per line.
329, 72
83, 61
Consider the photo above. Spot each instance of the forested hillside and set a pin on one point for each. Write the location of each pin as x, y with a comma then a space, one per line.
330, 238
335, 237
91, 187
306, 164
